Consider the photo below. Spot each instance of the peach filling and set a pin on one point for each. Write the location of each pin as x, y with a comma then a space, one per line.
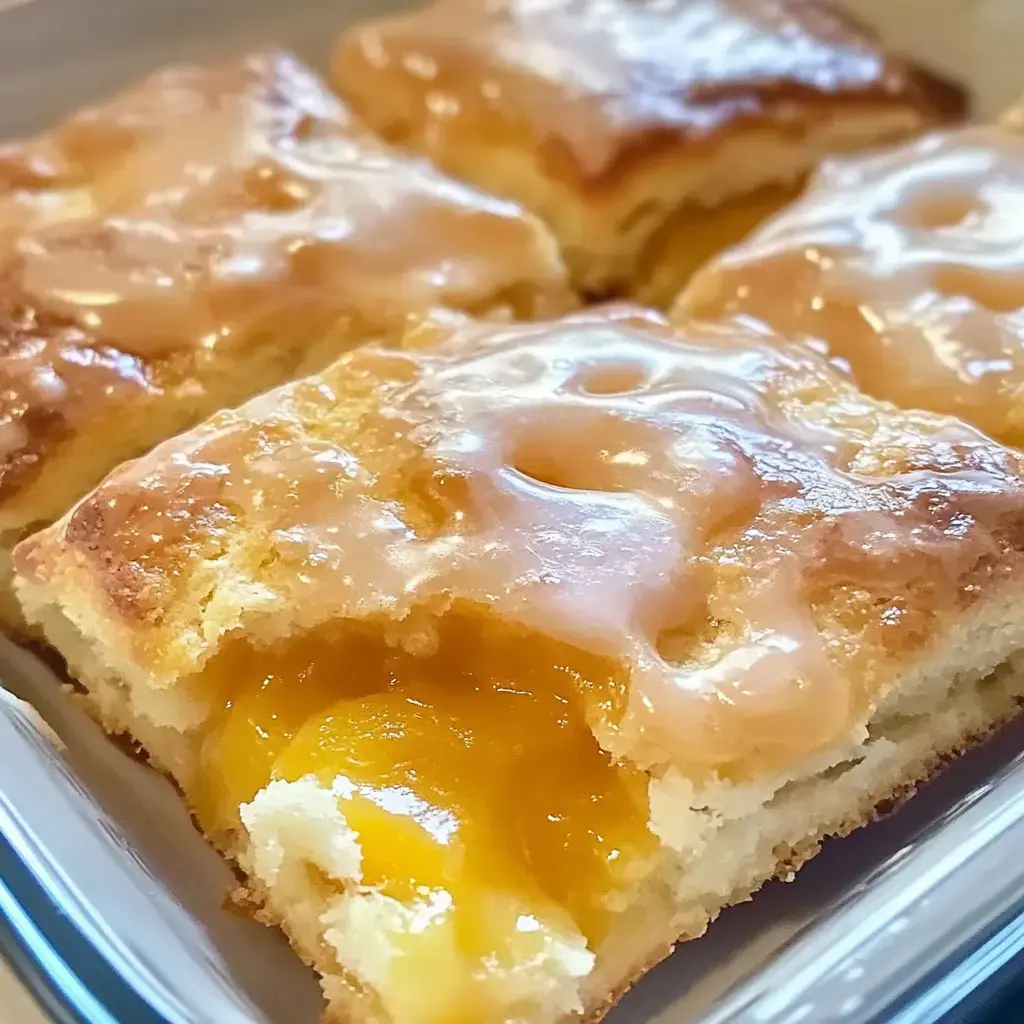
467, 769
694, 234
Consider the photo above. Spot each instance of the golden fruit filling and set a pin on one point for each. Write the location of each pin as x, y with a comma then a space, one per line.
467, 770
695, 234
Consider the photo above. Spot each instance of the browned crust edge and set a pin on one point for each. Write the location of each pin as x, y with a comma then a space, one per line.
903, 83
939, 101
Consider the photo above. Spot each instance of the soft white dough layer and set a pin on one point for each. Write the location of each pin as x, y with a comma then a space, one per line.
294, 827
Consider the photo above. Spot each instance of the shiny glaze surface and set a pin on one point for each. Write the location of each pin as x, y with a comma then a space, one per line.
725, 518
907, 266
53, 376
62, 174
226, 217
588, 80
261, 199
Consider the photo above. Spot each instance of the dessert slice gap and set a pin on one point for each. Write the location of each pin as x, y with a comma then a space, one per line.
693, 234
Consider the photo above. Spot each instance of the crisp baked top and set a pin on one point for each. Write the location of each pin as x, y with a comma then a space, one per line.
753, 542
225, 214
592, 82
909, 266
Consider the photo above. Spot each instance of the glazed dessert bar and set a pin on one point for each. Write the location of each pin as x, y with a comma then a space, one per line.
208, 235
907, 267
649, 135
503, 660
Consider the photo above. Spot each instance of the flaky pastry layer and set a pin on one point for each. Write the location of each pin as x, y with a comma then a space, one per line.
713, 601
621, 123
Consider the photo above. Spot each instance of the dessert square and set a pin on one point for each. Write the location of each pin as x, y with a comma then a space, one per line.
504, 659
204, 237
904, 266
648, 135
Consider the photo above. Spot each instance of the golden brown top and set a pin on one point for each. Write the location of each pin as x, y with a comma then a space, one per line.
756, 542
52, 377
908, 266
62, 174
234, 209
591, 81
260, 198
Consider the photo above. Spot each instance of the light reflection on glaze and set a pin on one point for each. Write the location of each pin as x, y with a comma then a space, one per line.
263, 198
70, 172
908, 266
589, 79
720, 513
213, 224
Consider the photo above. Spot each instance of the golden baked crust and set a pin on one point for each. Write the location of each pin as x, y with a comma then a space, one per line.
607, 118
773, 599
237, 231
905, 266
665, 500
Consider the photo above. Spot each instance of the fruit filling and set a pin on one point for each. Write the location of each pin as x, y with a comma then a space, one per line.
464, 763
695, 234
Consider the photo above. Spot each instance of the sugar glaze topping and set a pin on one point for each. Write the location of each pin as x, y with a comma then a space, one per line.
720, 514
905, 265
592, 76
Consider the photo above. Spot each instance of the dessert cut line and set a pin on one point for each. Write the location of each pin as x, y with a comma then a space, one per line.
647, 135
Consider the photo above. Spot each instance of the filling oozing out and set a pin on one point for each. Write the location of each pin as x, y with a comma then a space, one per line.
467, 770
694, 234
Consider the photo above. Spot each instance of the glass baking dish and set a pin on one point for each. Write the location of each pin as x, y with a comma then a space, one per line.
114, 911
